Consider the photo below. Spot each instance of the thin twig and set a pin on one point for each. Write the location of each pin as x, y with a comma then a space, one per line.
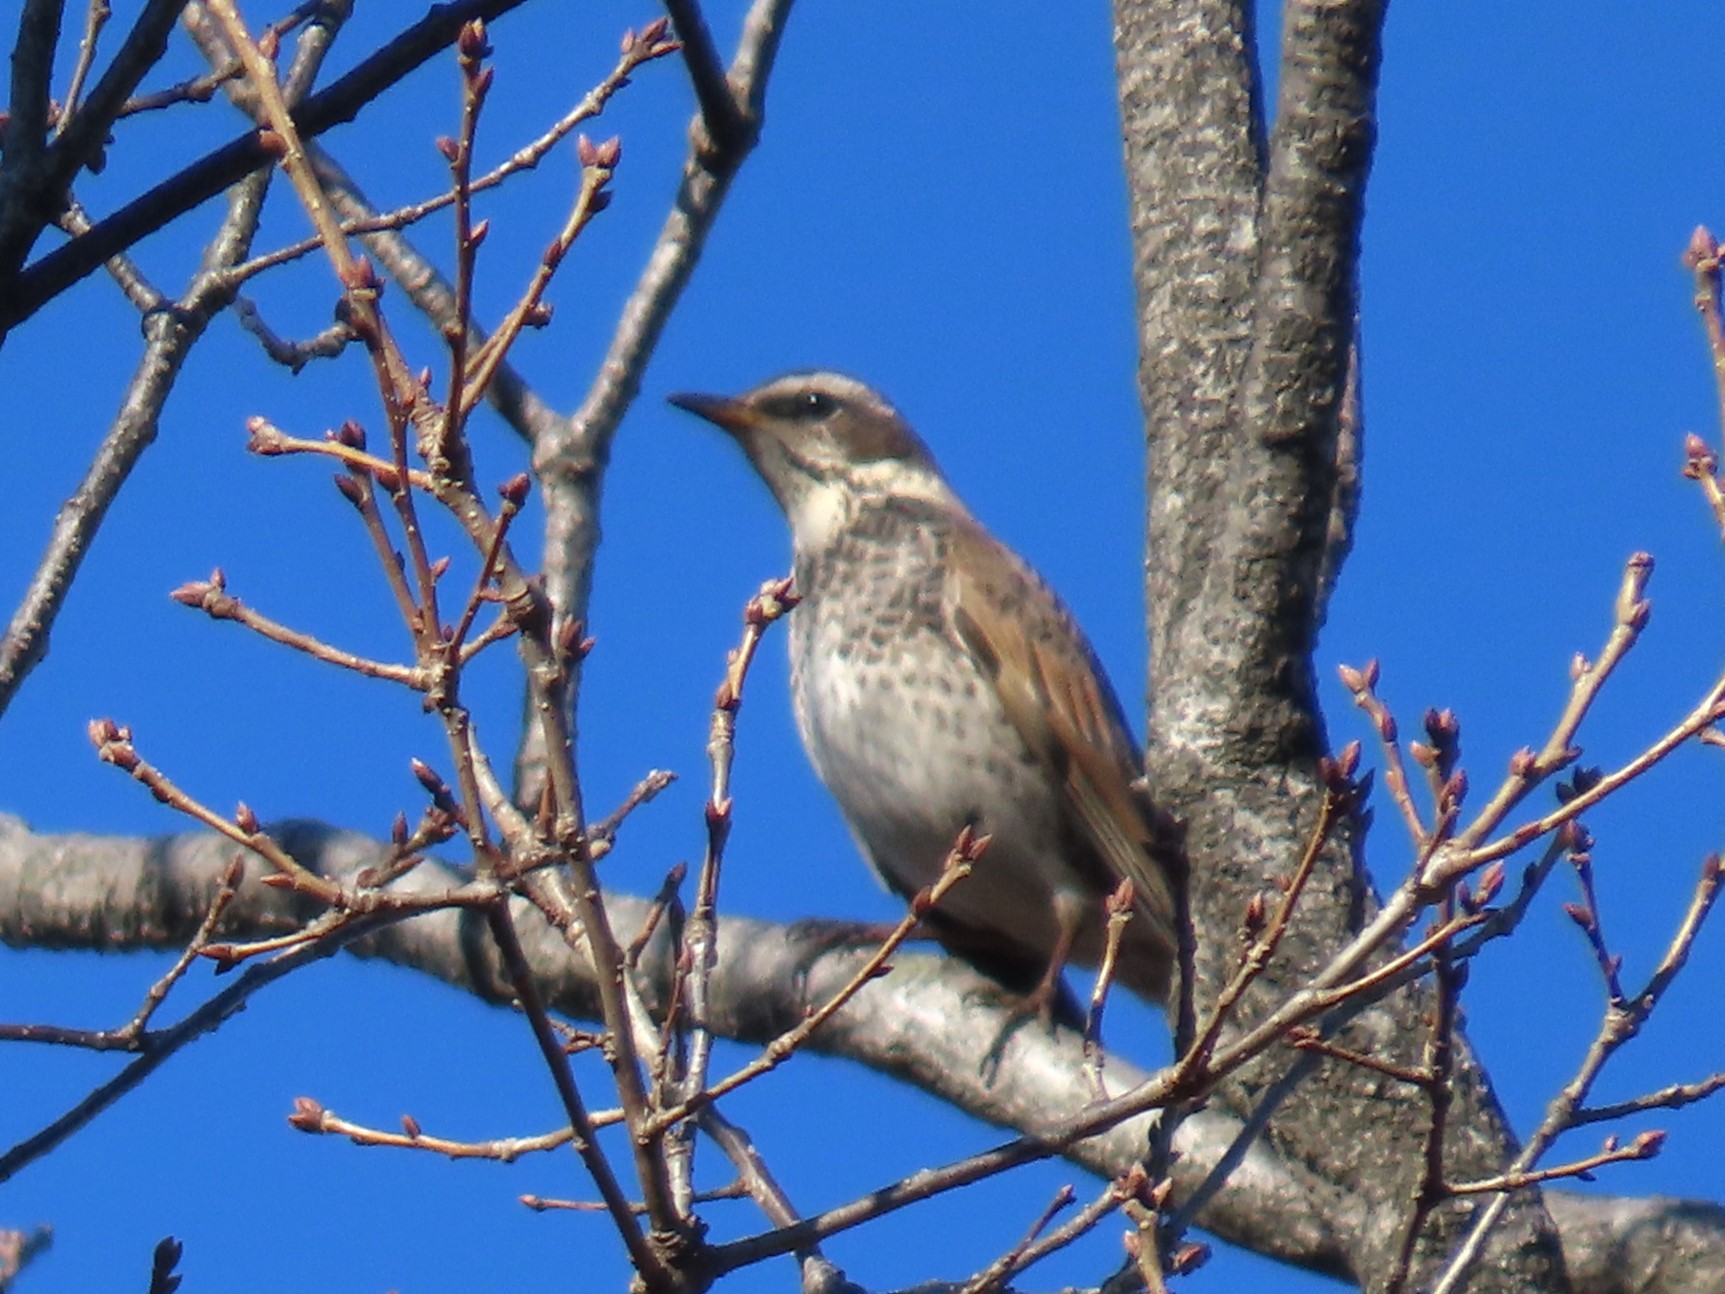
643, 1256
134, 1035
1438, 1067
96, 15
1119, 909
372, 222
1702, 257
314, 1117
170, 335
569, 454
603, 833
166, 1042
727, 119
1645, 1146
1362, 684
1622, 1021
774, 601
292, 355
1631, 614
211, 597
203, 179
965, 852
1014, 1260
1674, 1097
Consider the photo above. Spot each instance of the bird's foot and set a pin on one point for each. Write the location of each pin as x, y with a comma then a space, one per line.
1051, 1003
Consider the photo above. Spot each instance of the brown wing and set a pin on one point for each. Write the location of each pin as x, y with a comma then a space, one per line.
1057, 697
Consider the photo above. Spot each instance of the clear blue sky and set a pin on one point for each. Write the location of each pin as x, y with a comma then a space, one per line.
937, 207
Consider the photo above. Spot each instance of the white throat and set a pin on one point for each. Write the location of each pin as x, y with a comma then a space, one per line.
826, 508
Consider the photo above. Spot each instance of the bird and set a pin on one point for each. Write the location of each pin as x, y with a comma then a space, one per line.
939, 683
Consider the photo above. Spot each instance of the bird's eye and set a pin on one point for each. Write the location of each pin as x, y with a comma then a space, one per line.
817, 404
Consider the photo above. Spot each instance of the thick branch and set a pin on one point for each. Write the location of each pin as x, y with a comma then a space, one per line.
928, 1023
570, 459
1245, 263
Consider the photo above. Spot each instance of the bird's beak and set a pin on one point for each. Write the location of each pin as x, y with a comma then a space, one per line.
722, 411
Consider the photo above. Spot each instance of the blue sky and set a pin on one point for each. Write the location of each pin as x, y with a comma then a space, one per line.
936, 207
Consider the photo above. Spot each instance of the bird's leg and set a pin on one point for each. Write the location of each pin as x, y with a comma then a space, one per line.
1048, 1001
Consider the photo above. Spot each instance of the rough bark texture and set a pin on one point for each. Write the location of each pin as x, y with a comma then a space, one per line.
1245, 262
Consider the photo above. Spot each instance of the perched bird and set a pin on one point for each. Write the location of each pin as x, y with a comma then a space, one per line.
938, 682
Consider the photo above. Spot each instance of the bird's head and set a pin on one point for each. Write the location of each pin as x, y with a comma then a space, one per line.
824, 443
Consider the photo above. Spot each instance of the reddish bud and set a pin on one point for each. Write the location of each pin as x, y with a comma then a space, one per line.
1188, 1258
1698, 460
1490, 882
586, 152
1363, 679
410, 1126
449, 148
1632, 608
1649, 1143
1521, 764
1703, 248
264, 437
307, 1115
270, 43
570, 643
245, 819
536, 315
439, 568
476, 235
482, 82
514, 490
351, 434
351, 490
599, 201
362, 277
471, 43
102, 731
427, 778
1254, 921
1585, 779
1455, 790
1442, 726
1349, 760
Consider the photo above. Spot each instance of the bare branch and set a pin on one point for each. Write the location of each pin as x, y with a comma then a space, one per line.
53, 273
